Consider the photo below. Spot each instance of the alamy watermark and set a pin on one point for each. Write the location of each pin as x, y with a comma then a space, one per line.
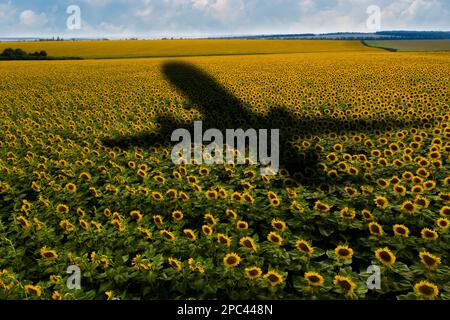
73, 21
74, 280
373, 22
234, 151
374, 280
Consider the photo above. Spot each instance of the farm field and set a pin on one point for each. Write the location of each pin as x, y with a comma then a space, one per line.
412, 45
86, 176
164, 48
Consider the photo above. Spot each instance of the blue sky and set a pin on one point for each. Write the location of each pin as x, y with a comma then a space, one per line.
155, 18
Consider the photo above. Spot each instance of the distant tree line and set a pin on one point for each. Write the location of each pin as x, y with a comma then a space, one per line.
19, 54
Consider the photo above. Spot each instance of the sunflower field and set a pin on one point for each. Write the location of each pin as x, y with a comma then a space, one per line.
86, 179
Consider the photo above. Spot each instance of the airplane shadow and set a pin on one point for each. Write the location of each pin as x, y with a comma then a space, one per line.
222, 110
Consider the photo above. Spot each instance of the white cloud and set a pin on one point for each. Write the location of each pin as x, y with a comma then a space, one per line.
98, 3
7, 12
199, 4
145, 11
29, 18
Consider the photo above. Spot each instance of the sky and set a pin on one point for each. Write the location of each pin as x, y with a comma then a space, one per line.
183, 18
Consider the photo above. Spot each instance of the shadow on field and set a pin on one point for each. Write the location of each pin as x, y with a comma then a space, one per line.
222, 110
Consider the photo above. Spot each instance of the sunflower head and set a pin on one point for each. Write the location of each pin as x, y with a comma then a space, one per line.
248, 242
48, 254
231, 260
385, 256
304, 247
375, 229
343, 252
274, 277
190, 234
401, 230
279, 225
428, 260
429, 234
253, 272
223, 239
275, 238
426, 290
344, 283
443, 223
314, 279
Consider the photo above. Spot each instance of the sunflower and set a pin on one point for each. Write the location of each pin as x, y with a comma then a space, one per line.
207, 230
399, 189
344, 283
33, 290
428, 260
176, 264
158, 219
56, 295
279, 225
242, 225
210, 219
445, 211
375, 229
184, 196
177, 215
381, 202
147, 234
248, 242
54, 279
172, 193
117, 223
274, 277
71, 187
321, 206
157, 196
211, 194
408, 207
383, 183
272, 195
304, 247
84, 224
385, 256
230, 213
136, 215
24, 223
236, 196
190, 234
275, 203
314, 279
231, 260
422, 201
352, 192
223, 239
347, 213
443, 223
297, 207
400, 230
167, 235
85, 176
366, 214
275, 238
48, 254
343, 252
253, 272
429, 234
62, 208
426, 290
66, 225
